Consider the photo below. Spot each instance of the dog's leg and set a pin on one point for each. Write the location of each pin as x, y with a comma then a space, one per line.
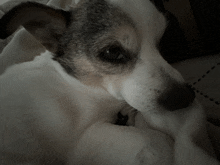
108, 144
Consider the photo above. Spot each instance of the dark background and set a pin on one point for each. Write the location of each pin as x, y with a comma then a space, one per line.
204, 39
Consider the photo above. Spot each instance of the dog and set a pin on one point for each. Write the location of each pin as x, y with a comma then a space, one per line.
85, 99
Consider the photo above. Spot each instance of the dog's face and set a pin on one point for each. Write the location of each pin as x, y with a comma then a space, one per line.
110, 45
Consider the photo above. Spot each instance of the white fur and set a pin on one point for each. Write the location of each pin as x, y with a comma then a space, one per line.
40, 85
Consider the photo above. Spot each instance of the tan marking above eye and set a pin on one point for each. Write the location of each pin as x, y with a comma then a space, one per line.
128, 37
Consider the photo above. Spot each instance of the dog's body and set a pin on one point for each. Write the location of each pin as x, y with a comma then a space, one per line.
59, 123
103, 60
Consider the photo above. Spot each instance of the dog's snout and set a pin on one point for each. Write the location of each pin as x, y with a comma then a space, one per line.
177, 96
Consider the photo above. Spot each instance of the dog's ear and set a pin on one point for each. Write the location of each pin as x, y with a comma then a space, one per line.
45, 23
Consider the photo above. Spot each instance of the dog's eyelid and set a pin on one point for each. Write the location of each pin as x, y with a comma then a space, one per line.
121, 56
114, 44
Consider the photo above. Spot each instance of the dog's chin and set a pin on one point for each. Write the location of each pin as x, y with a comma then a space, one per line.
170, 122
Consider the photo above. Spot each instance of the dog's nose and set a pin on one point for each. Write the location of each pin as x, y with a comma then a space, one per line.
176, 97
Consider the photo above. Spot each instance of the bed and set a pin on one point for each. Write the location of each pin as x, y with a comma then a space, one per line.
202, 73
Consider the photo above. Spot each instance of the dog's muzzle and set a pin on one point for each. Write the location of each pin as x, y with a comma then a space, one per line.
177, 96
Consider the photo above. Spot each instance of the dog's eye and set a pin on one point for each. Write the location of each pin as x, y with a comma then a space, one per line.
114, 54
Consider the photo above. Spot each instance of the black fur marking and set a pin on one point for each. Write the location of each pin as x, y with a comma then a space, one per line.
89, 20
88, 30
92, 22
5, 28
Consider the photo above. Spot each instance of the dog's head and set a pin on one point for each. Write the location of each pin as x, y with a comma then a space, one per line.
108, 44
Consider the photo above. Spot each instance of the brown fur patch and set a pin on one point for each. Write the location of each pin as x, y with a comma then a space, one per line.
128, 37
95, 26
